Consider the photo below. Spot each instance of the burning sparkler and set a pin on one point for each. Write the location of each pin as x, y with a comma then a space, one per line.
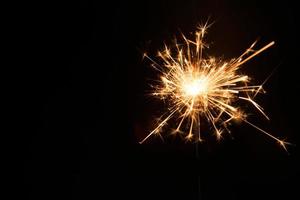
200, 89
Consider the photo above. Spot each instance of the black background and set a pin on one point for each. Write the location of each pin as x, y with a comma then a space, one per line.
84, 106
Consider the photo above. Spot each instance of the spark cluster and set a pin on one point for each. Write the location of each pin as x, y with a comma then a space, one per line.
202, 89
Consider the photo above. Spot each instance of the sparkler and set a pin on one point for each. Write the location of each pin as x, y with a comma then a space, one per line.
202, 89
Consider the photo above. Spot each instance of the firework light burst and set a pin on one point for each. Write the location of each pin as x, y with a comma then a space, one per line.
200, 89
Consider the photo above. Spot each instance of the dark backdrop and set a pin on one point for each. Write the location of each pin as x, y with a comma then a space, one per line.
85, 105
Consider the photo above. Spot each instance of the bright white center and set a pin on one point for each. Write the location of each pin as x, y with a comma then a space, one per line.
195, 87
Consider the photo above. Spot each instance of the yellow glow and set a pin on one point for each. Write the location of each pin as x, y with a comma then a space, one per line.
202, 88
195, 86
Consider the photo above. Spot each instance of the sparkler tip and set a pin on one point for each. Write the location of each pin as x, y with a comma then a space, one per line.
144, 55
284, 144
189, 137
199, 87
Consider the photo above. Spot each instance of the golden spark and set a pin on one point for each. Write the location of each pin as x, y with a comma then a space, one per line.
203, 89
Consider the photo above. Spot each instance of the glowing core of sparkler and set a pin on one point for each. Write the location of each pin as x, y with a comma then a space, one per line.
198, 88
